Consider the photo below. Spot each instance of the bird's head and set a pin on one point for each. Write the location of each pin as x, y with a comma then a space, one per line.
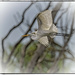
33, 35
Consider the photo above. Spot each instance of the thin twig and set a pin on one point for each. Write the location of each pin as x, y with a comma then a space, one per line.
57, 8
62, 52
36, 55
20, 41
12, 30
35, 58
63, 13
24, 52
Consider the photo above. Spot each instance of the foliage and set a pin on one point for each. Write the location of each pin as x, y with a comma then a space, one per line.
41, 66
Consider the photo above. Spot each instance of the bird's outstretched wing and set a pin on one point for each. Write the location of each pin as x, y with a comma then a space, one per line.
44, 20
44, 40
53, 29
45, 23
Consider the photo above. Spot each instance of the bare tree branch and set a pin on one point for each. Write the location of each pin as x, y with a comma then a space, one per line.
20, 40
63, 13
35, 58
17, 22
11, 31
24, 52
37, 54
56, 9
62, 52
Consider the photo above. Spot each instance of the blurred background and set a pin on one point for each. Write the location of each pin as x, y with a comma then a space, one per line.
23, 55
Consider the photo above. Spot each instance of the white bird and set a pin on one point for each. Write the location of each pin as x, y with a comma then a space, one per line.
45, 28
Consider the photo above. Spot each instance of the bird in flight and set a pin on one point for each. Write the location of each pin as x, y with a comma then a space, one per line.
45, 28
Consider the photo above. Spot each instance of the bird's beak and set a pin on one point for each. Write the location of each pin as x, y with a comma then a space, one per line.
25, 35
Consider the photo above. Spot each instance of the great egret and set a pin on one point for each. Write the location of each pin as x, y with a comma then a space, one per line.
45, 28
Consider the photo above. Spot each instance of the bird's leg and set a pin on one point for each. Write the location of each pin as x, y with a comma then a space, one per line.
59, 34
62, 34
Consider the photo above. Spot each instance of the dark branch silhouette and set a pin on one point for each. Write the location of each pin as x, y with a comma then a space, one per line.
11, 31
38, 56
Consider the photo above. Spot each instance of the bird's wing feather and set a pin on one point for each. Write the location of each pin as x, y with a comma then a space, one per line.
45, 23
44, 20
53, 29
44, 40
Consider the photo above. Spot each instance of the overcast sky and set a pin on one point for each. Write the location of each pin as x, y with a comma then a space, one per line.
7, 12
10, 9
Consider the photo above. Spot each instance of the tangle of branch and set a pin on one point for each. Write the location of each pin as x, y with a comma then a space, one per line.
11, 31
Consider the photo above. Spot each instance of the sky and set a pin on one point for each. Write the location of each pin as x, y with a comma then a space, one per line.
7, 12
10, 9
